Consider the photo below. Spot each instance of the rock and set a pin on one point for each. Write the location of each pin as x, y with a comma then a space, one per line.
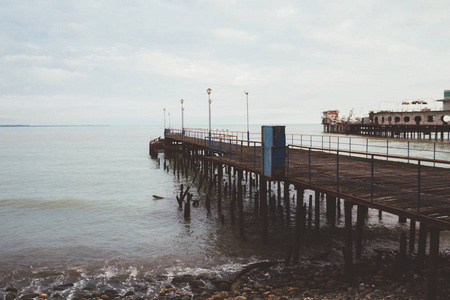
111, 292
195, 284
10, 296
62, 287
182, 279
104, 297
12, 290
97, 294
29, 296
235, 286
222, 284
43, 296
129, 293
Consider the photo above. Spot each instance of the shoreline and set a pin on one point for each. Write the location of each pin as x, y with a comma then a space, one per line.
319, 278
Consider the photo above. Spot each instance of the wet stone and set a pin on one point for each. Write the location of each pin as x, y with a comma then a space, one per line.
10, 296
62, 287
11, 289
29, 296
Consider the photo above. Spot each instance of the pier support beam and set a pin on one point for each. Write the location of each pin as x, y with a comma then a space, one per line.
240, 203
359, 230
263, 205
348, 250
434, 262
219, 187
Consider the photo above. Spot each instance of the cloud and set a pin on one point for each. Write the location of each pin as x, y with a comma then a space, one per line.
205, 70
232, 35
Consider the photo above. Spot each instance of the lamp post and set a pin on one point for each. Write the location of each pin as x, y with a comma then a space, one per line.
169, 120
182, 117
248, 130
209, 101
164, 109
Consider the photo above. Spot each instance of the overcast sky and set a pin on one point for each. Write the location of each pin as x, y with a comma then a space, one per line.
122, 62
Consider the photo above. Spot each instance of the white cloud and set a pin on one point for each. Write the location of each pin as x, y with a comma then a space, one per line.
232, 35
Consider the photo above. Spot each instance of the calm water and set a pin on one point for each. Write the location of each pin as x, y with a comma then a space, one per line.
76, 205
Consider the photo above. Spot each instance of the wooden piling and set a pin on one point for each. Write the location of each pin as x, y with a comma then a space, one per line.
359, 229
287, 204
422, 245
240, 203
412, 235
263, 204
434, 263
317, 212
348, 250
219, 187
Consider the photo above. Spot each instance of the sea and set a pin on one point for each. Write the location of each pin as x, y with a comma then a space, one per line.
78, 206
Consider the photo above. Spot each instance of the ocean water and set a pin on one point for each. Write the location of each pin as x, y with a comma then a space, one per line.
77, 206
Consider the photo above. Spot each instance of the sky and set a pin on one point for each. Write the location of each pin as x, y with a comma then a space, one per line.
123, 62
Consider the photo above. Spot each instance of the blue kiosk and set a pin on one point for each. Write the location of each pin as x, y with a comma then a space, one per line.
273, 151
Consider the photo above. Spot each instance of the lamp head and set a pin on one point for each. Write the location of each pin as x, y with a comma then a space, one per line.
246, 92
208, 91
182, 101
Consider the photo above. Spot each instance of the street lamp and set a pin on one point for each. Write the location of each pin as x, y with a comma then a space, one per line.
169, 120
248, 131
182, 117
209, 101
164, 109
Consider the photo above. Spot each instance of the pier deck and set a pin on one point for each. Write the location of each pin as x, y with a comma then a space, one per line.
407, 187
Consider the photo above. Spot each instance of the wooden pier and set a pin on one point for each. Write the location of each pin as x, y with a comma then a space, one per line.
417, 189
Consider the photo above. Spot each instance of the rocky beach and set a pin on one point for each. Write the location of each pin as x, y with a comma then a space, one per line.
317, 278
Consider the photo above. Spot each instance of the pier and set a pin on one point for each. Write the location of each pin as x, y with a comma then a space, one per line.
344, 172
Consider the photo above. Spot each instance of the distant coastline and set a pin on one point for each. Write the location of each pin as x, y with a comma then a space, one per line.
19, 125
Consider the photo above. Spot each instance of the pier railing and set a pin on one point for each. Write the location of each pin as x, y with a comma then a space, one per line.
405, 180
423, 149
413, 181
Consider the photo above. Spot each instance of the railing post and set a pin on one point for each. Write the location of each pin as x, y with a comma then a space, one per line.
350, 146
220, 147
408, 151
241, 152
254, 155
367, 145
322, 141
337, 170
371, 179
434, 154
230, 152
387, 149
418, 186
309, 164
288, 159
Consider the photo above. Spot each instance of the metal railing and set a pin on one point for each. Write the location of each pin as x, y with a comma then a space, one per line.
364, 176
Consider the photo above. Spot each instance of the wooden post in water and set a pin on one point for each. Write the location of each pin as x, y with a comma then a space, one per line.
297, 227
348, 250
360, 214
310, 212
219, 188
317, 212
287, 204
240, 204
434, 263
263, 202
279, 192
422, 244
412, 235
